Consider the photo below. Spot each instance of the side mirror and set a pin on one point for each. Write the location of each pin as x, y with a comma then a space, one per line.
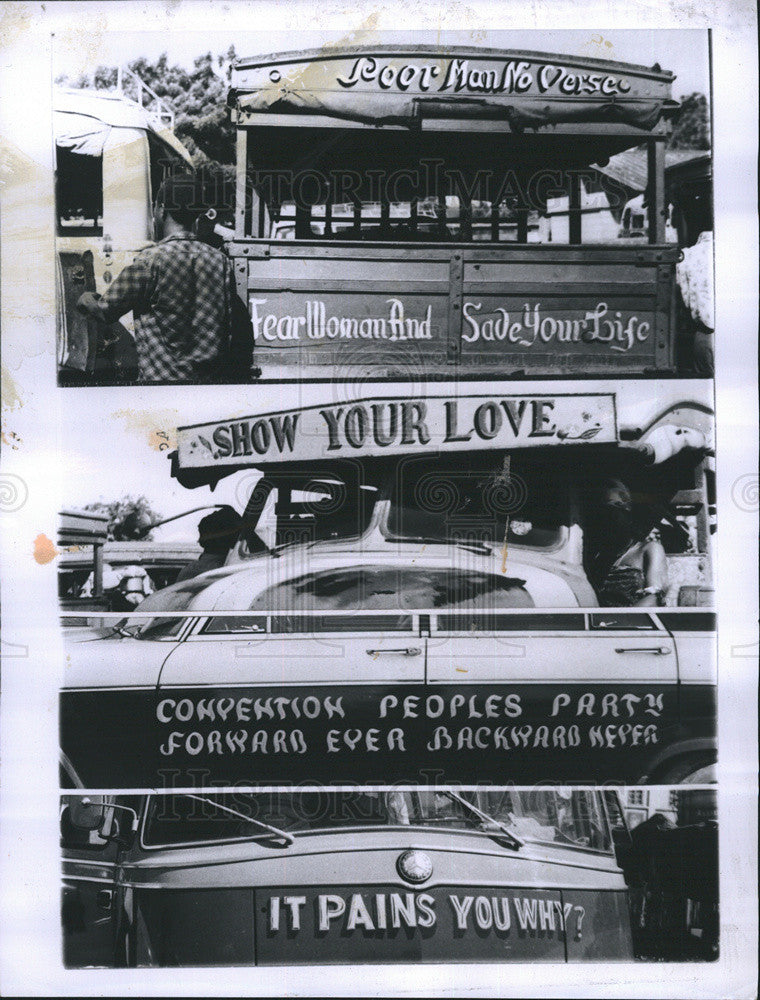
110, 820
86, 813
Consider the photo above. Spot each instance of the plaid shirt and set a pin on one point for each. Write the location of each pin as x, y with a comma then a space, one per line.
180, 294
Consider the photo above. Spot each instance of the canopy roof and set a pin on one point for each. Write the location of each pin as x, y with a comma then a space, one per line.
408, 85
630, 167
83, 120
380, 427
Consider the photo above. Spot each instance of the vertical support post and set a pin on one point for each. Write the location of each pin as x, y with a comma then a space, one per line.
456, 280
465, 220
656, 189
440, 213
575, 208
240, 182
97, 570
385, 216
522, 226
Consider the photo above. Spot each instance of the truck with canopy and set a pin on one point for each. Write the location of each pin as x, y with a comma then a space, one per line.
509, 482
422, 210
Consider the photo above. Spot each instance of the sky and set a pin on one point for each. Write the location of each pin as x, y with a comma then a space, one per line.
684, 52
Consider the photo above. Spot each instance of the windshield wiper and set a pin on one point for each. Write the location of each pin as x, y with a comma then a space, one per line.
123, 631
489, 821
275, 831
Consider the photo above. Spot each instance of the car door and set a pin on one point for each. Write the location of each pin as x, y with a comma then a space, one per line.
695, 639
89, 864
290, 696
107, 701
559, 696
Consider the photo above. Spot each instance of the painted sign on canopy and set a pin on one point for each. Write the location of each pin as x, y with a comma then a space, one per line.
508, 76
375, 427
412, 73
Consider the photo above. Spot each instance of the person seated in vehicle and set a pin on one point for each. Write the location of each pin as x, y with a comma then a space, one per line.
126, 587
628, 564
217, 533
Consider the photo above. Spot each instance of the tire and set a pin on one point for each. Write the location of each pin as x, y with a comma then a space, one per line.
685, 769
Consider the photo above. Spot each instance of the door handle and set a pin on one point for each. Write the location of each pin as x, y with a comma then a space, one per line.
654, 650
402, 651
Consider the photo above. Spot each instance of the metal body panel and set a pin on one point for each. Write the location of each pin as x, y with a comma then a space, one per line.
410, 701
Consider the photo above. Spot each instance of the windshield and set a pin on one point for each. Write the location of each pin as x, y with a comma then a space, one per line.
149, 628
451, 498
561, 817
483, 499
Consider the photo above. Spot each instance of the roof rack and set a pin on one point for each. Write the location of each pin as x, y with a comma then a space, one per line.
156, 107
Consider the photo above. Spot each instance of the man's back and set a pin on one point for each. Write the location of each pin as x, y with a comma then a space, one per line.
179, 291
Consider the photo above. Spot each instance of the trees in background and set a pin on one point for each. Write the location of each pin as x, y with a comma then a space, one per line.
129, 518
198, 97
691, 124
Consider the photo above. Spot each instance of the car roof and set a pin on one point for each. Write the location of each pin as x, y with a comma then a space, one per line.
115, 110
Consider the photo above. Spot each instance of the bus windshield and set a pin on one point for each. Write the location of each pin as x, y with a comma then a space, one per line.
483, 499
559, 816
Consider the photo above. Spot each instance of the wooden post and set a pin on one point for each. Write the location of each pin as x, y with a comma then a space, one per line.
522, 226
385, 216
495, 235
97, 570
240, 186
575, 208
465, 220
656, 189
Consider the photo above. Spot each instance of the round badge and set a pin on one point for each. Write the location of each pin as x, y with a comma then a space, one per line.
414, 866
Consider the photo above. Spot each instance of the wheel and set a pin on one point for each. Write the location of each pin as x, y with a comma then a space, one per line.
691, 768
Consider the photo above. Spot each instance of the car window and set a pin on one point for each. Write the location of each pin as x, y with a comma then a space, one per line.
234, 624
341, 623
79, 192
142, 627
510, 623
560, 816
622, 622
688, 621
373, 588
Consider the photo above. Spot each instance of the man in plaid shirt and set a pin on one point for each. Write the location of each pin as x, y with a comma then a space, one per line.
181, 291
